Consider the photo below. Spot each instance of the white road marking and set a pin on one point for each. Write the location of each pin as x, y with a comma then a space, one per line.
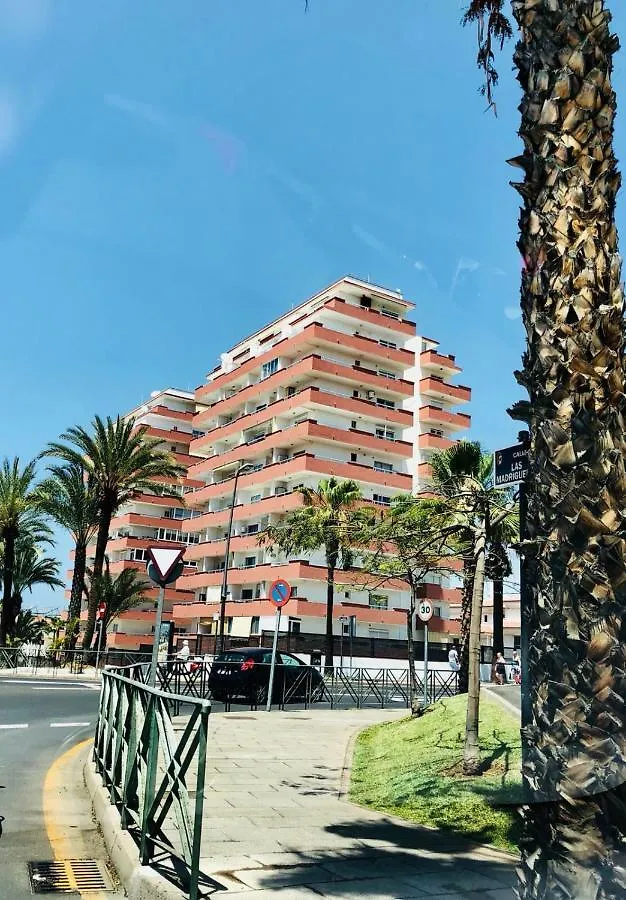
60, 687
69, 724
50, 684
13, 726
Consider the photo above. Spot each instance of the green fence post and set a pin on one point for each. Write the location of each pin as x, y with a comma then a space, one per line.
152, 757
199, 804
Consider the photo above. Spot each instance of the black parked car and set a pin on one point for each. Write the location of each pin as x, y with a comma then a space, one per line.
245, 674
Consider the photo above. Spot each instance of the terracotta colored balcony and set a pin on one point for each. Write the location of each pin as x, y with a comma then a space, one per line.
432, 361
440, 389
171, 435
313, 338
435, 415
371, 316
429, 441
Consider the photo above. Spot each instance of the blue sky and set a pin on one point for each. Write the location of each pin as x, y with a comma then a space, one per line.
173, 175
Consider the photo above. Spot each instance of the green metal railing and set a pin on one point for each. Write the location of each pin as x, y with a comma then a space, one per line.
145, 765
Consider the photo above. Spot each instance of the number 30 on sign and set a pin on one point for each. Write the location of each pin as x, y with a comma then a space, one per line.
425, 610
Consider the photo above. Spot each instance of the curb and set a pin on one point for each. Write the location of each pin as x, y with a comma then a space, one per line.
140, 882
493, 693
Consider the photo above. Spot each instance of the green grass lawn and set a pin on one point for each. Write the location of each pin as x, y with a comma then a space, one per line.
412, 768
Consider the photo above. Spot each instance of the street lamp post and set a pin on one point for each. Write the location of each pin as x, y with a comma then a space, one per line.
342, 620
224, 591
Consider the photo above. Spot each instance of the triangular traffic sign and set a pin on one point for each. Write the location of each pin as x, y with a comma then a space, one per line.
164, 560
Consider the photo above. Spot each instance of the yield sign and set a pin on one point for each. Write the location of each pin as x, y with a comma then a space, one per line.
165, 561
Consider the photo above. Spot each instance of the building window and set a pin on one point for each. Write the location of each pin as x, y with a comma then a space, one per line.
247, 594
249, 561
357, 363
294, 626
382, 466
229, 624
269, 368
353, 423
382, 499
197, 434
353, 457
387, 404
517, 642
115, 627
254, 625
437, 611
379, 601
390, 345
485, 618
346, 594
355, 394
390, 314
385, 432
294, 590
387, 374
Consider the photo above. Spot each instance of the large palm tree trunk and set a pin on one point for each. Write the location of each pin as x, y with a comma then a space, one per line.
98, 565
471, 752
7, 615
572, 305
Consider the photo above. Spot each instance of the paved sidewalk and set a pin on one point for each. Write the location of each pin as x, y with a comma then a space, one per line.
277, 823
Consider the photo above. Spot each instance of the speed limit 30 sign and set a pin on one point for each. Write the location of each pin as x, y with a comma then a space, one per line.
425, 610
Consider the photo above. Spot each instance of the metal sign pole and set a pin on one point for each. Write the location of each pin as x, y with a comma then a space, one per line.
273, 665
157, 637
99, 643
425, 664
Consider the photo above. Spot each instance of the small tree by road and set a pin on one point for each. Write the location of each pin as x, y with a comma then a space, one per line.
414, 538
328, 520
462, 474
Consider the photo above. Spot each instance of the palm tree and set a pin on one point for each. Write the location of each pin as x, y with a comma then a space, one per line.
451, 468
328, 519
119, 593
31, 568
69, 497
121, 462
572, 304
462, 474
18, 513
28, 629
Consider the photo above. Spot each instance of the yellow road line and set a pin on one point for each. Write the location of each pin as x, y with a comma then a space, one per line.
55, 783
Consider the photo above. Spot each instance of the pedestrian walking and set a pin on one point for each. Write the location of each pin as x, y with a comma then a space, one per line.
453, 659
500, 669
516, 671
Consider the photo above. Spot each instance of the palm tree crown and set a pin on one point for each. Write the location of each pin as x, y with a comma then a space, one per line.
329, 518
120, 462
19, 513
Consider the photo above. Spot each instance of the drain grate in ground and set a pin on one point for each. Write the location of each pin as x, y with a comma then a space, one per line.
67, 876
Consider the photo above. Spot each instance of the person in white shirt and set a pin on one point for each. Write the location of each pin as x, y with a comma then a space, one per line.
453, 659
184, 653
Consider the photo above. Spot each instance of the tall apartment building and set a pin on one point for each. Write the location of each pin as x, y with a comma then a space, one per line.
341, 385
151, 520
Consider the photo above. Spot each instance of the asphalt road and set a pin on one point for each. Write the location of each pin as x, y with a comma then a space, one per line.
39, 720
511, 693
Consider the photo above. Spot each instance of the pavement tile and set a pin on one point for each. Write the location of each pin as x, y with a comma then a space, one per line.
456, 879
275, 878
368, 889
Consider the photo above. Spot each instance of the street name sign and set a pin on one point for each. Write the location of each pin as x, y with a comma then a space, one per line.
510, 465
